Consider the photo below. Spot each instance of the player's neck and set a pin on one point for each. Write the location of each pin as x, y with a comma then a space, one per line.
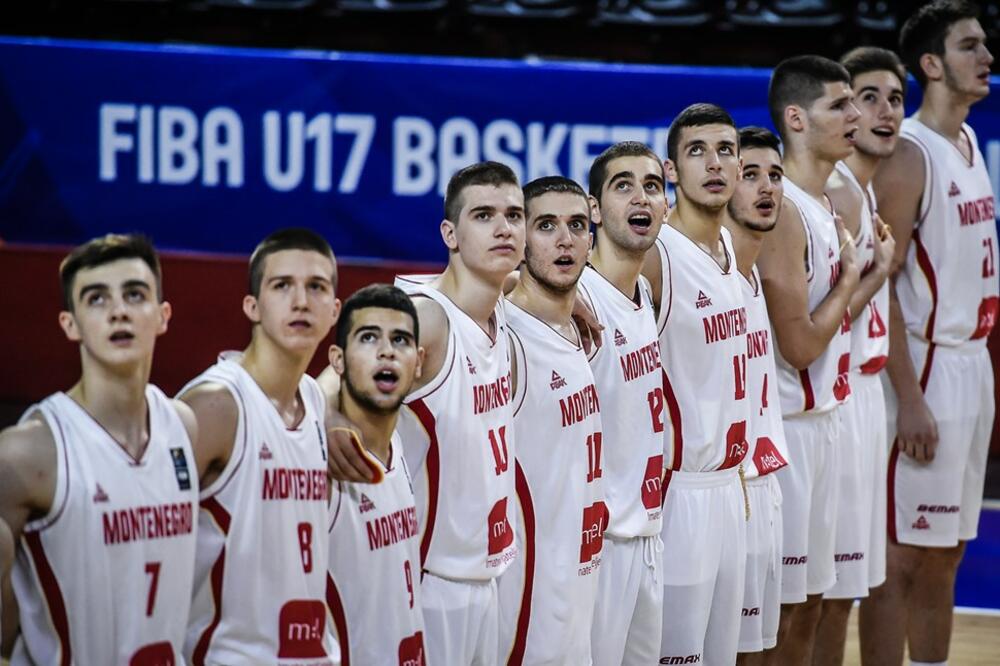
863, 167
277, 372
944, 112
117, 401
746, 245
475, 295
698, 223
620, 267
554, 308
376, 427
807, 171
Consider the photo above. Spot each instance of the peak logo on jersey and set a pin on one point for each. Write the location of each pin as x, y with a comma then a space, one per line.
557, 381
366, 504
265, 453
938, 508
620, 338
702, 301
921, 524
976, 211
487, 397
468, 364
181, 468
651, 497
100, 495
953, 191
689, 659
580, 405
595, 521
500, 533
411, 650
301, 626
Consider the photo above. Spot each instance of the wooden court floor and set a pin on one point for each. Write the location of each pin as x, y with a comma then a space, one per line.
975, 641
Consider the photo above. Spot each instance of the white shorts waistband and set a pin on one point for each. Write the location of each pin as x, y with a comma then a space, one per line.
712, 479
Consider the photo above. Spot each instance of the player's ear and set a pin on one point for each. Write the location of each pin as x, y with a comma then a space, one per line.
336, 357
67, 322
166, 311
595, 210
794, 117
250, 308
932, 66
336, 311
448, 234
419, 370
670, 171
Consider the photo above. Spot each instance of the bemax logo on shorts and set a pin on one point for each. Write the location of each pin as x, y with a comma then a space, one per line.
687, 659
937, 508
500, 534
595, 521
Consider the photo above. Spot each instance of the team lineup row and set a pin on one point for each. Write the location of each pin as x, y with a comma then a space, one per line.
612, 431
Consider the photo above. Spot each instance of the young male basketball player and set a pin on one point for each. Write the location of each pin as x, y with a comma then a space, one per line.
99, 484
374, 568
752, 213
457, 431
547, 595
702, 336
809, 274
936, 195
260, 588
628, 205
878, 81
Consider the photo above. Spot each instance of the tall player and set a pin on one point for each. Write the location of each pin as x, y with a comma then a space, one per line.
374, 568
98, 484
935, 193
628, 205
702, 333
809, 273
262, 547
878, 81
753, 212
547, 595
460, 445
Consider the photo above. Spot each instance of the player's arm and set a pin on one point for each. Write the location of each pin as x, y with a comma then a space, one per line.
216, 416
899, 185
801, 335
27, 489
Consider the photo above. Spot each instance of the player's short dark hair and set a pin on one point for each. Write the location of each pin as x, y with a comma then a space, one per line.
481, 173
546, 184
104, 250
799, 80
865, 59
599, 169
753, 136
292, 238
377, 295
696, 115
926, 30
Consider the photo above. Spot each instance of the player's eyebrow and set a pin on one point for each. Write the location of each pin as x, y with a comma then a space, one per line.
483, 209
136, 283
620, 175
317, 276
95, 286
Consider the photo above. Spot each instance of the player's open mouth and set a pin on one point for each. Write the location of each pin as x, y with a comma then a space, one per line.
640, 222
884, 132
564, 260
386, 381
850, 136
765, 206
300, 324
122, 336
714, 185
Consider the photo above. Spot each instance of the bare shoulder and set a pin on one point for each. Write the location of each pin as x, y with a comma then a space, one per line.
210, 399
901, 175
217, 417
846, 201
329, 383
786, 241
28, 462
188, 418
432, 317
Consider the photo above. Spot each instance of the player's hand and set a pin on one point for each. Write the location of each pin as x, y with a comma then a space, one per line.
848, 254
916, 431
586, 321
885, 243
348, 460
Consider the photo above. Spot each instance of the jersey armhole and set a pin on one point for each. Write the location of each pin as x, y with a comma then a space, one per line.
666, 288
927, 196
61, 496
449, 358
335, 510
239, 439
519, 357
595, 349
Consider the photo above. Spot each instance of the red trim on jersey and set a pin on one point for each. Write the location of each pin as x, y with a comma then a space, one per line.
433, 462
222, 519
927, 268
336, 606
891, 496
524, 614
807, 390
874, 365
675, 423
53, 595
928, 362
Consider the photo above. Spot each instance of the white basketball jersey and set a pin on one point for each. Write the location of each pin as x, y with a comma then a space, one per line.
547, 596
630, 382
460, 446
260, 583
105, 577
870, 330
765, 432
948, 285
702, 327
373, 588
824, 384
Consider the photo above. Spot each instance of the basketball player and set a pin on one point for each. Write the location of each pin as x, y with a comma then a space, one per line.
878, 81
935, 193
811, 105
374, 568
262, 547
457, 432
99, 485
752, 213
702, 334
547, 595
628, 205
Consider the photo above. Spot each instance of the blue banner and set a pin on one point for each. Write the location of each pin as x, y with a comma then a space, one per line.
209, 149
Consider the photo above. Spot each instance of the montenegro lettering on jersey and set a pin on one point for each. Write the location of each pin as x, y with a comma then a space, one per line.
487, 397
284, 483
758, 343
578, 406
147, 522
976, 211
725, 325
393, 528
641, 362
